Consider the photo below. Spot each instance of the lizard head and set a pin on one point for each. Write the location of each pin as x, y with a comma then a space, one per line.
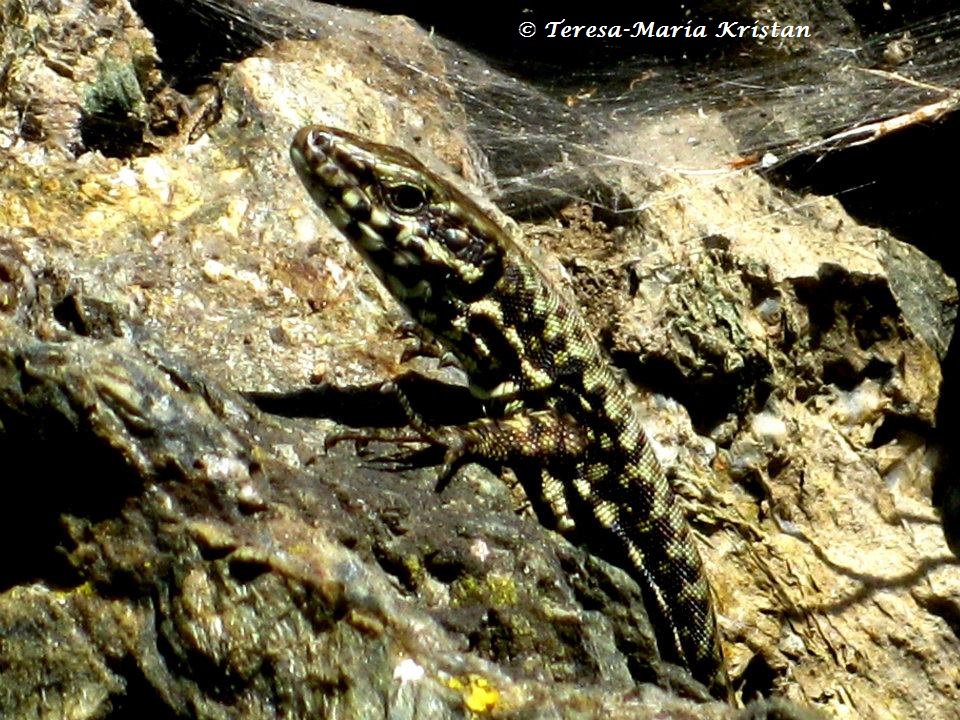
428, 243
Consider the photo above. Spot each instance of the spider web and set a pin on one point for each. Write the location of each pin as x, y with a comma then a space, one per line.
549, 129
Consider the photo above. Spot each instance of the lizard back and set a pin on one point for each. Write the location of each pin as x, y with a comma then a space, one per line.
558, 413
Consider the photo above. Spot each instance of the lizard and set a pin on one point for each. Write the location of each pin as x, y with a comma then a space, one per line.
556, 411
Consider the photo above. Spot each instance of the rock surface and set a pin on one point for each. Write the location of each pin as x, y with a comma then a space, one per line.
173, 549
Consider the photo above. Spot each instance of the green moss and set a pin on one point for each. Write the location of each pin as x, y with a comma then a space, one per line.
116, 92
498, 590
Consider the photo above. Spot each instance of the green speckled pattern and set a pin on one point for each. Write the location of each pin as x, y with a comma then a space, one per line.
559, 415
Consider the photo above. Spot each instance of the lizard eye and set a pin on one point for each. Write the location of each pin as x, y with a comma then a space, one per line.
405, 198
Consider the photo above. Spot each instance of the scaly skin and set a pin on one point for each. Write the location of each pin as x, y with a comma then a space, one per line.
559, 415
